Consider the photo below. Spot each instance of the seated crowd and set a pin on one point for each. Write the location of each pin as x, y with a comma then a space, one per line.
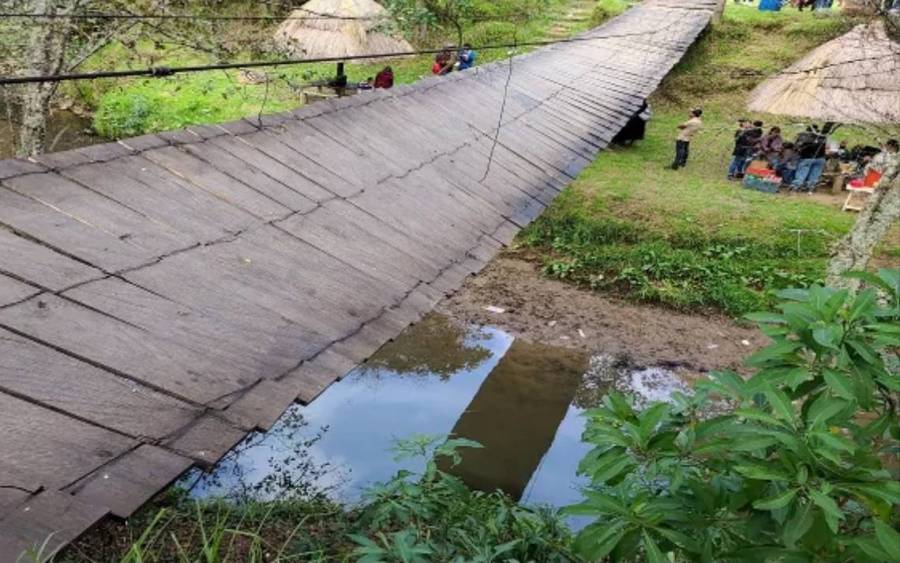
800, 164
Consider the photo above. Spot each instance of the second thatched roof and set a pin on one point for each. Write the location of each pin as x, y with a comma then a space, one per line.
339, 28
852, 79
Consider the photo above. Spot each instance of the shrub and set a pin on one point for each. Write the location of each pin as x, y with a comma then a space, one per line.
788, 465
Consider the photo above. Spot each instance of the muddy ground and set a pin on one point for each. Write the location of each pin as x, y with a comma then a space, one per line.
547, 311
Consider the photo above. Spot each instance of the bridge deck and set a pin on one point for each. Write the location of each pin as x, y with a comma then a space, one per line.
163, 296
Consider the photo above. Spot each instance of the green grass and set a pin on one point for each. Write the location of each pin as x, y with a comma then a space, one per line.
132, 107
691, 239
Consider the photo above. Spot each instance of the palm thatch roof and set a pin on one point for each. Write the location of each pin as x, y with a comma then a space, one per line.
852, 79
339, 28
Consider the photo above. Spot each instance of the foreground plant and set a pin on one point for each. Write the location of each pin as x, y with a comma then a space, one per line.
791, 464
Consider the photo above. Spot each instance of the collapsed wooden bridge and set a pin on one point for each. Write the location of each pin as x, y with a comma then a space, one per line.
163, 296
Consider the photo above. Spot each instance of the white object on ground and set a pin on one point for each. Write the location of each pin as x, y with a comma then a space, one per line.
493, 309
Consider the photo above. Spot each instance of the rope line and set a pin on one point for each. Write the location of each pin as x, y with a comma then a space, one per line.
163, 71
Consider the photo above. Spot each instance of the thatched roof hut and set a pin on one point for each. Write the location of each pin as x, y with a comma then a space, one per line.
339, 28
852, 79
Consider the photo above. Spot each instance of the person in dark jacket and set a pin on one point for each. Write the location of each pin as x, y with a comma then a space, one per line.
636, 128
811, 146
746, 143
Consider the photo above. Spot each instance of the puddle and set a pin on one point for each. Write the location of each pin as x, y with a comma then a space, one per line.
523, 402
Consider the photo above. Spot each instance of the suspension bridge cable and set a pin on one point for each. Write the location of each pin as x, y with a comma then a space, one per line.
163, 71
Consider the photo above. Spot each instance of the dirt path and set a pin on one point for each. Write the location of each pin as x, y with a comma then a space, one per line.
552, 312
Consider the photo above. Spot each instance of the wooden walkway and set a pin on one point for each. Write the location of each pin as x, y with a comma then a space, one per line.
163, 296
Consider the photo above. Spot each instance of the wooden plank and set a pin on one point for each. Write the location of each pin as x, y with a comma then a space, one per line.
38, 264
105, 214
301, 159
13, 291
48, 377
252, 353
243, 151
257, 173
53, 448
49, 520
127, 483
355, 245
206, 178
260, 407
207, 440
148, 189
159, 362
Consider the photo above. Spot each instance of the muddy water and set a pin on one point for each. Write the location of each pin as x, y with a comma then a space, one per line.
65, 131
523, 402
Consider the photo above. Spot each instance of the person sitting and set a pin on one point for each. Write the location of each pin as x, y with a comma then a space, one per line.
811, 147
443, 63
745, 145
882, 164
787, 164
385, 78
770, 147
466, 58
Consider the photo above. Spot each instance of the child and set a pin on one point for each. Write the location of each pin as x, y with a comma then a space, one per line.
787, 163
686, 132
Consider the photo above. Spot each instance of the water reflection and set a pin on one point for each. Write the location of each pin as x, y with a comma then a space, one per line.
515, 415
523, 402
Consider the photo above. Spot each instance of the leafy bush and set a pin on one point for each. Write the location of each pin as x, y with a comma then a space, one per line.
435, 517
791, 464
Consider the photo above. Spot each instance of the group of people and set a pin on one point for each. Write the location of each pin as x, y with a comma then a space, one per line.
449, 60
776, 5
801, 163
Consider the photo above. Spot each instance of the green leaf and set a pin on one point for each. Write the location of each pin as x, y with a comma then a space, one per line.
681, 540
828, 336
835, 441
888, 491
871, 547
889, 539
597, 541
650, 419
824, 409
840, 384
758, 415
654, 554
777, 351
766, 318
781, 404
798, 525
611, 469
761, 472
776, 502
864, 304
753, 443
833, 514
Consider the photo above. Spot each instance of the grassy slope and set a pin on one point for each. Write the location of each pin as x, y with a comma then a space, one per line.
133, 107
691, 239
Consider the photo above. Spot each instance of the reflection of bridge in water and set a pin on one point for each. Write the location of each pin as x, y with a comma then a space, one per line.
163, 296
515, 416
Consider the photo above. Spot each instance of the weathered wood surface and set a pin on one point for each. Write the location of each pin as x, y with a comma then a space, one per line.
162, 296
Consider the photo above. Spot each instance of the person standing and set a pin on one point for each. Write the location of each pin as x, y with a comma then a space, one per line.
686, 132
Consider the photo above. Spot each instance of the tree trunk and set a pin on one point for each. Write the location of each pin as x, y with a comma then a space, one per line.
855, 250
45, 56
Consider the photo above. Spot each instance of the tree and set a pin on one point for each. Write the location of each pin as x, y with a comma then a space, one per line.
855, 250
54, 45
